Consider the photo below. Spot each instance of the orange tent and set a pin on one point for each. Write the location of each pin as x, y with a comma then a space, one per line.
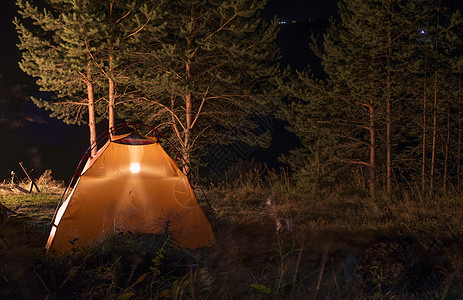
130, 185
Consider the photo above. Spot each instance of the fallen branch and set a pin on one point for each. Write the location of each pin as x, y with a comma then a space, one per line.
32, 181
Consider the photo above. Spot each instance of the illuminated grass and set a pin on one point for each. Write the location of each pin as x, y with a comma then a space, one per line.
31, 204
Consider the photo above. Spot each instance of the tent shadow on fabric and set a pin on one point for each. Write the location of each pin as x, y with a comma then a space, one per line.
130, 185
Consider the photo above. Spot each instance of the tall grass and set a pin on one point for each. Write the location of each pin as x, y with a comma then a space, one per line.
338, 241
277, 238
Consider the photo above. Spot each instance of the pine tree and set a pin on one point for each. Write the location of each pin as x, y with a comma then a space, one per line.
76, 49
392, 93
55, 44
117, 22
434, 88
363, 57
315, 161
207, 72
455, 37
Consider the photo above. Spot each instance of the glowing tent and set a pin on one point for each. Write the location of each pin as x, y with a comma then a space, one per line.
131, 184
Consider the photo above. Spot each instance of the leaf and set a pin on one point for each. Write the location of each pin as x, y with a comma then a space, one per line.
140, 279
261, 288
126, 296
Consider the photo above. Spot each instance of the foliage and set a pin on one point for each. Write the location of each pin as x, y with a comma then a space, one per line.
53, 52
205, 76
385, 107
200, 70
76, 51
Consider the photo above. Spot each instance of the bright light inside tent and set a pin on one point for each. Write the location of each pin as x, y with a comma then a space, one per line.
135, 167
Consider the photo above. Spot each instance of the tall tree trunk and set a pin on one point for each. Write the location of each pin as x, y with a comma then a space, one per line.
372, 166
446, 151
424, 133
111, 85
91, 112
188, 113
434, 129
434, 138
112, 96
459, 138
389, 117
187, 133
188, 119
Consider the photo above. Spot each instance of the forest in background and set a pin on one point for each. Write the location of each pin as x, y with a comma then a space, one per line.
388, 105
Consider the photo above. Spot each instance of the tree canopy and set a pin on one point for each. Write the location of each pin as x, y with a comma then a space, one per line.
207, 73
385, 98
200, 70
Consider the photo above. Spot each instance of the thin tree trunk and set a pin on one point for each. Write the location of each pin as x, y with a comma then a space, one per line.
372, 166
187, 140
459, 138
423, 159
111, 84
187, 133
389, 148
434, 138
111, 98
188, 119
425, 124
389, 119
91, 112
446, 153
434, 129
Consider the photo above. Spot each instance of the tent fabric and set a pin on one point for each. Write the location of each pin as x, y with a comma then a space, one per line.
134, 139
131, 185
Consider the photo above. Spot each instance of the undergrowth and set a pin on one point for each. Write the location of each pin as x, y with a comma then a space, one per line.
276, 239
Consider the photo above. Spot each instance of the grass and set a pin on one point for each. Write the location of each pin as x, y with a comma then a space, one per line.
307, 210
275, 238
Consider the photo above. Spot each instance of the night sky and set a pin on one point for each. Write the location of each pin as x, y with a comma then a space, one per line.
286, 10
9, 55
300, 10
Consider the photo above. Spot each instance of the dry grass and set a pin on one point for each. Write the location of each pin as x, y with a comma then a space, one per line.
340, 243
275, 239
251, 199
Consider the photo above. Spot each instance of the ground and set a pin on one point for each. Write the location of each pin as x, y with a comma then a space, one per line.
275, 239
